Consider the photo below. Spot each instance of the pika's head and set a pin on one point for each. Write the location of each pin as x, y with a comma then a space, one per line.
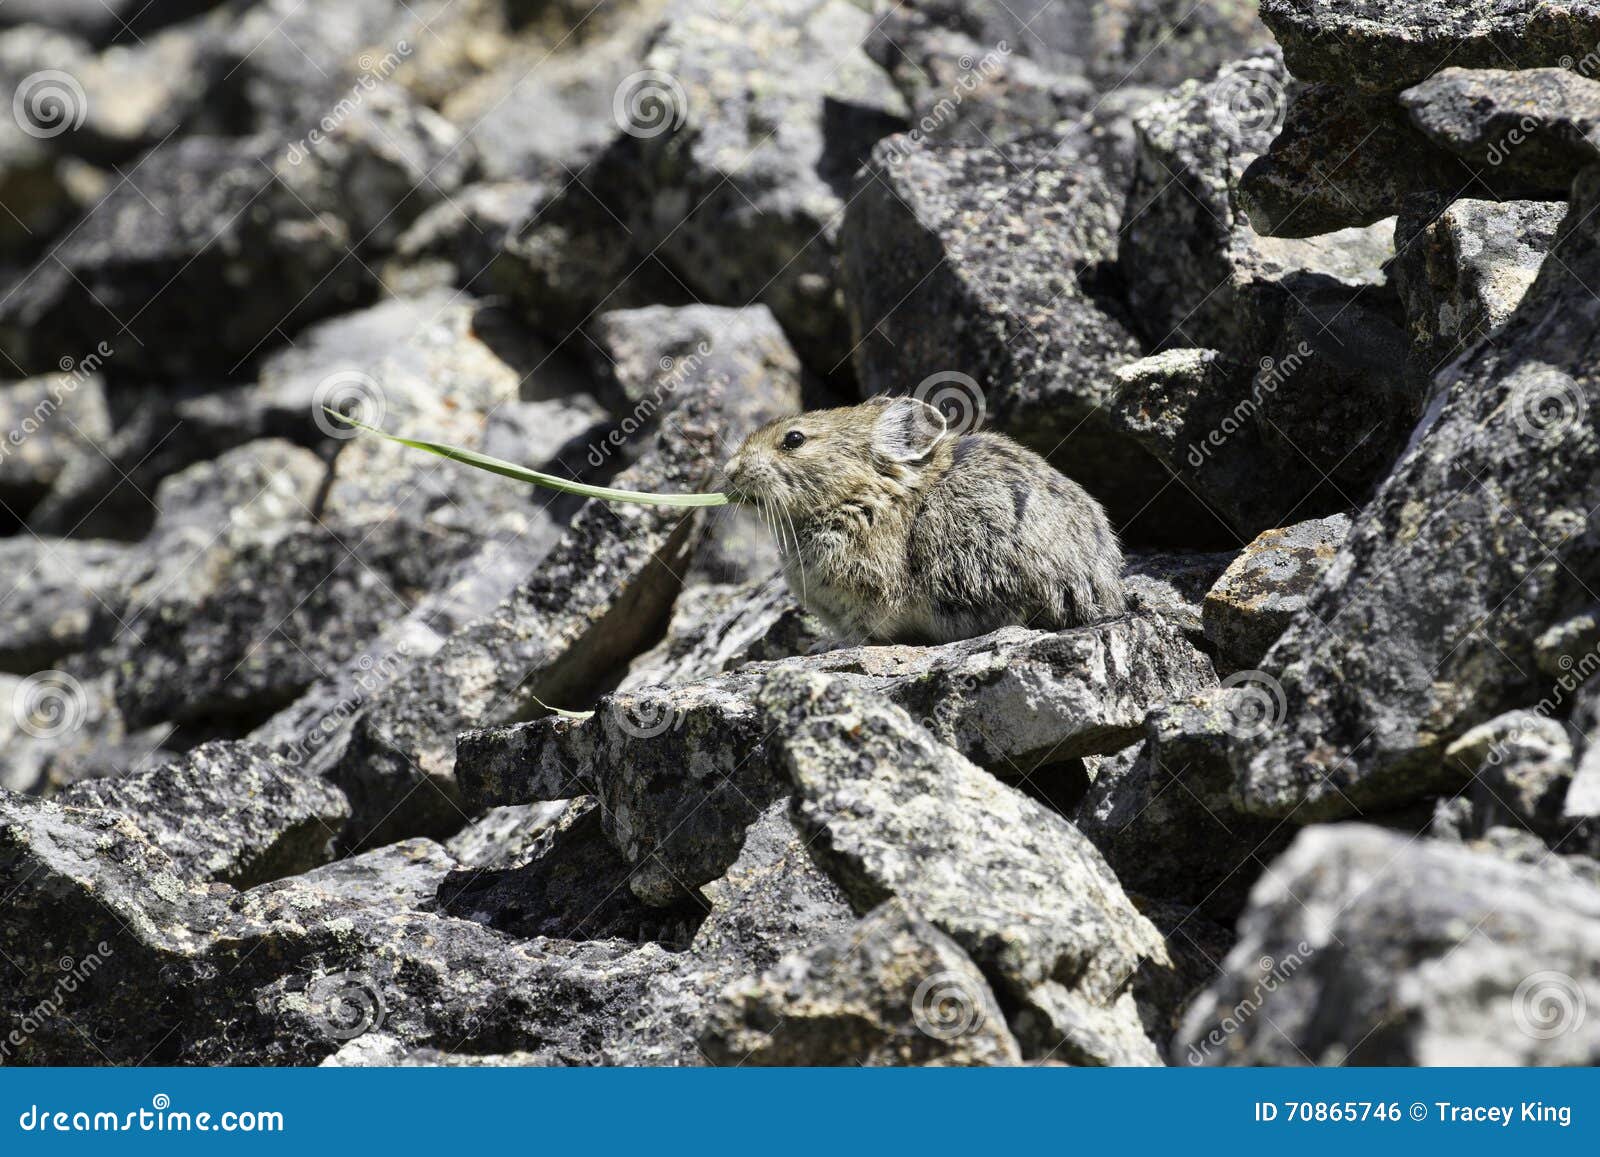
817, 460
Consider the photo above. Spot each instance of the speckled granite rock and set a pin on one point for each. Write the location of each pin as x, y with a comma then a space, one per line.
1267, 585
1462, 272
680, 770
1385, 45
1367, 947
52, 591
890, 990
889, 812
1425, 623
226, 811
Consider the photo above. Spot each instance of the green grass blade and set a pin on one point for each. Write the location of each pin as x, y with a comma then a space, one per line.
535, 477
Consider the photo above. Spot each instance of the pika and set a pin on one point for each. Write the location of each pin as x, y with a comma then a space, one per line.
893, 529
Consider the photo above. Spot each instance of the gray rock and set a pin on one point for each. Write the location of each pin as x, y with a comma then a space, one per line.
889, 812
504, 837
1385, 45
48, 423
1173, 584
891, 990
282, 262
1344, 159
1462, 272
1521, 765
102, 21
1538, 125
456, 242
1366, 947
1306, 432
1166, 821
54, 589
1267, 585
681, 770
1198, 273
751, 119
1426, 621
226, 811
404, 877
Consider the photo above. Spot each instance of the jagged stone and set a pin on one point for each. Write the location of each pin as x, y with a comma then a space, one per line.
54, 588
1267, 585
889, 812
1521, 765
1173, 585
681, 770
1385, 45
1425, 624
1368, 947
891, 990
226, 811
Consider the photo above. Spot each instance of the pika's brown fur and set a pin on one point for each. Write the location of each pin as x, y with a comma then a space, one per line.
896, 530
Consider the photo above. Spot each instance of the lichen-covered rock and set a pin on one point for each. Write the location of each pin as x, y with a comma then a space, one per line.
56, 588
751, 119
889, 812
226, 811
1368, 947
1426, 621
1174, 585
1521, 765
891, 990
681, 770
1385, 45
1462, 272
1267, 585
1198, 273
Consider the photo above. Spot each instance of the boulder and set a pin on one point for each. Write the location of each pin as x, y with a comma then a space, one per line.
1267, 585
891, 990
1367, 947
50, 423
889, 812
1424, 625
56, 588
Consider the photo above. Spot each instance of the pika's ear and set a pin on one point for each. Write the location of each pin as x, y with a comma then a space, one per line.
907, 429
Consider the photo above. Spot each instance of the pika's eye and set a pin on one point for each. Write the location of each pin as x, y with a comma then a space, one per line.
793, 440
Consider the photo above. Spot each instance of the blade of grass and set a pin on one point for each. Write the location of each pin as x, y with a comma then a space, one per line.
535, 477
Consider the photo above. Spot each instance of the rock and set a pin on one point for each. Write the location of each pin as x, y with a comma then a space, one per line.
1367, 947
103, 21
504, 837
1538, 125
216, 217
681, 770
1521, 765
1173, 584
404, 877
1014, 267
1462, 272
889, 812
57, 728
1267, 585
751, 119
1166, 821
49, 422
1424, 625
719, 627
1344, 159
602, 592
1263, 446
56, 588
1385, 45
1198, 273
456, 242
892, 990
226, 811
